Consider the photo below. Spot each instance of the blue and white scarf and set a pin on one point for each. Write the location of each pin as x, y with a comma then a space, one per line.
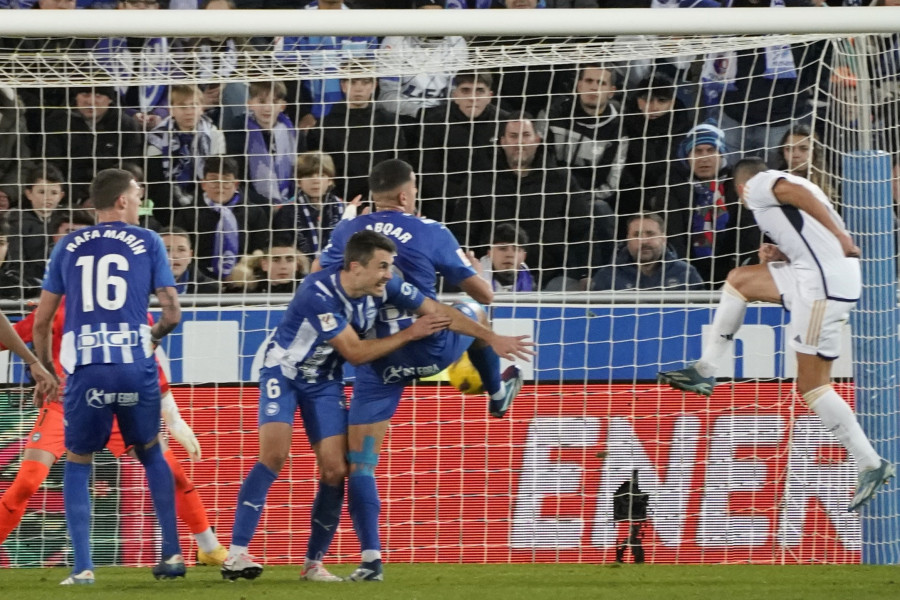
152, 64
271, 170
186, 151
227, 238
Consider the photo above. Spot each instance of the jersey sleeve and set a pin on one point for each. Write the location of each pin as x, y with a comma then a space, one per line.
450, 260
333, 254
759, 192
403, 295
53, 277
325, 316
162, 272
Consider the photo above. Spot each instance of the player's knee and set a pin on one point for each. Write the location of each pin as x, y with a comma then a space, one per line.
363, 462
333, 472
274, 459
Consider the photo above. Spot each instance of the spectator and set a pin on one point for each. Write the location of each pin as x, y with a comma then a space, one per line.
584, 133
278, 271
799, 157
537, 196
30, 239
435, 59
66, 221
225, 226
92, 135
10, 284
177, 149
645, 262
504, 265
326, 54
655, 122
265, 141
181, 259
357, 135
145, 212
316, 209
707, 224
14, 150
458, 138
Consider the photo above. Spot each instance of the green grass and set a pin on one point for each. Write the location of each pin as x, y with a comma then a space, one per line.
492, 582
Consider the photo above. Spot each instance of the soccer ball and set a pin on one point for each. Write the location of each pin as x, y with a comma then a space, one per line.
464, 376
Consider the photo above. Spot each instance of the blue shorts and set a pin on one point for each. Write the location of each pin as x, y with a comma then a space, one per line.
94, 393
379, 384
323, 406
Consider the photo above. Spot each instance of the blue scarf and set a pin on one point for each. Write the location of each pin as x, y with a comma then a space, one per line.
186, 151
271, 170
708, 218
152, 63
227, 238
317, 225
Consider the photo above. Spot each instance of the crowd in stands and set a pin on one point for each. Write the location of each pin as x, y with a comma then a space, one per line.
591, 176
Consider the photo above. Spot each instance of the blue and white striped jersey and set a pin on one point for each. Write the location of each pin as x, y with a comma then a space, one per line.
424, 249
319, 311
107, 273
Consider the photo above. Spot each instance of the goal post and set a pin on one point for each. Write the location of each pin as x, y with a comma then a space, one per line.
747, 475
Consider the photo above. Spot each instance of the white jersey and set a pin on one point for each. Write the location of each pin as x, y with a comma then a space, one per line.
814, 252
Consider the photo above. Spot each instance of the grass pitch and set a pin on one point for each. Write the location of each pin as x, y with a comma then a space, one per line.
492, 582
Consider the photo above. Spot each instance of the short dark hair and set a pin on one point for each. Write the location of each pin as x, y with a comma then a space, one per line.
599, 66
77, 217
748, 167
510, 233
655, 217
43, 172
108, 185
474, 77
179, 231
515, 118
223, 165
362, 246
658, 85
389, 175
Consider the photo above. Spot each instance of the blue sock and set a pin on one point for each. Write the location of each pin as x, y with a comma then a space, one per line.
162, 491
251, 500
487, 363
365, 506
326, 514
77, 502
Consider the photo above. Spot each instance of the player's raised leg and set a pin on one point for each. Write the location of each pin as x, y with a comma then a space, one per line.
744, 284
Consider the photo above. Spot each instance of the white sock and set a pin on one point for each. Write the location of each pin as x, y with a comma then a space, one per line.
308, 563
728, 319
207, 540
235, 551
370, 555
500, 393
837, 418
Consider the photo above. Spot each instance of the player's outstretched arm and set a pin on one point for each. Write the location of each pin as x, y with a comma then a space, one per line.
476, 287
509, 347
800, 197
358, 351
47, 386
171, 313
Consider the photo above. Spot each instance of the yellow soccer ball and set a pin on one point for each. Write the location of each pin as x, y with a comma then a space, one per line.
464, 376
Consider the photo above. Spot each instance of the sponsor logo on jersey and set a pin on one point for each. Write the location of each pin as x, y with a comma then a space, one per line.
395, 374
108, 339
99, 398
327, 321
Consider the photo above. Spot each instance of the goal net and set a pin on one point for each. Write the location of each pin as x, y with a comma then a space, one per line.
590, 176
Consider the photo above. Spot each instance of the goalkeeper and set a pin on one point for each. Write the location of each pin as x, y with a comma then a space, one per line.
45, 446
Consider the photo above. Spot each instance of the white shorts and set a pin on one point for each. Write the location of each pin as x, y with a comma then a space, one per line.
816, 322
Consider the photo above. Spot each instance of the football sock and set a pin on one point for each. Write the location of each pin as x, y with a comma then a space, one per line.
487, 363
251, 500
207, 540
162, 491
728, 319
14, 501
837, 418
325, 517
77, 501
188, 505
365, 506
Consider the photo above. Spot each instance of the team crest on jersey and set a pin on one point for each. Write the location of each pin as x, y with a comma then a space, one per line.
327, 321
36, 437
272, 409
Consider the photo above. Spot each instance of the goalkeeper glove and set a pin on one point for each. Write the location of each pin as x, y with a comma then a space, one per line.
178, 428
